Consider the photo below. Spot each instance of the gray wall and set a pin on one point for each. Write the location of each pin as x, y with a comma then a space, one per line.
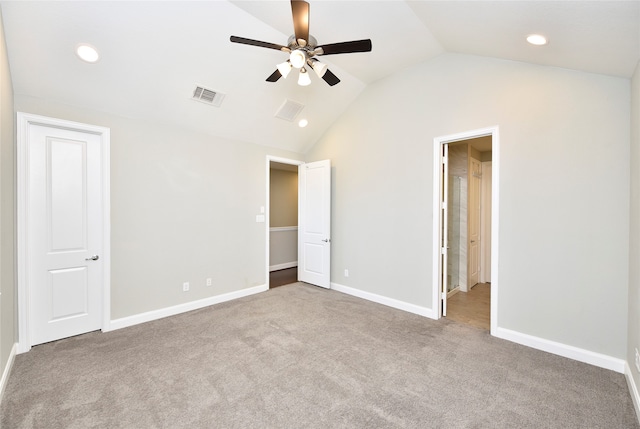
564, 190
183, 208
283, 196
8, 322
634, 233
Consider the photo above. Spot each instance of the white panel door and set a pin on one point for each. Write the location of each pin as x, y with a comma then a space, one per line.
475, 181
64, 232
314, 223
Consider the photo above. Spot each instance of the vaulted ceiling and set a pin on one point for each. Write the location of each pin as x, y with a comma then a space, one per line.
154, 53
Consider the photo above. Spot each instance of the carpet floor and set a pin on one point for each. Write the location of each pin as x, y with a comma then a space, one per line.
298, 356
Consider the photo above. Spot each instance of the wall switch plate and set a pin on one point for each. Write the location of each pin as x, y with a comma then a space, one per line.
637, 360
346, 272
185, 286
209, 281
259, 218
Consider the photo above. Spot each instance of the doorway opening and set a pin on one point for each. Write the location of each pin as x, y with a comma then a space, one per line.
468, 281
282, 227
465, 227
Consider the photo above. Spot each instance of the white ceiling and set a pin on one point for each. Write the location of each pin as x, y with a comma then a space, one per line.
154, 53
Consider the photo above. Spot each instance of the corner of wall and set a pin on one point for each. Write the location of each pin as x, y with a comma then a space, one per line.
8, 318
633, 312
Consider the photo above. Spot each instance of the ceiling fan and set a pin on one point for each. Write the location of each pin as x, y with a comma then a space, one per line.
303, 49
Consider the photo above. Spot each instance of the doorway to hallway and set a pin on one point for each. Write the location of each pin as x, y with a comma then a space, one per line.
283, 223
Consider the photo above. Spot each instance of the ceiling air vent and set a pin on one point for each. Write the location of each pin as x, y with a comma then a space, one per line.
289, 110
208, 96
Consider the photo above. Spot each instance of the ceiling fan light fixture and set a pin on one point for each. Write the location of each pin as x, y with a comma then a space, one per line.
303, 47
319, 68
298, 58
284, 68
304, 79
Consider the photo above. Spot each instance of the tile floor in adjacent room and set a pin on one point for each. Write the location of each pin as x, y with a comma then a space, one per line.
473, 307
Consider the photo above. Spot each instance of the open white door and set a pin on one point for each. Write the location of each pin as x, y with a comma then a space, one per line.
444, 221
314, 223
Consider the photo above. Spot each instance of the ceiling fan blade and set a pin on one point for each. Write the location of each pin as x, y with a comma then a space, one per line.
345, 47
330, 78
274, 76
244, 41
300, 11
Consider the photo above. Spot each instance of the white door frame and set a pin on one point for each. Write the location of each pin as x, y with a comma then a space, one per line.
24, 120
437, 189
270, 159
485, 236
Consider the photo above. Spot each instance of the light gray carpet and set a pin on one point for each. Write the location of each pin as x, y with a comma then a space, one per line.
304, 357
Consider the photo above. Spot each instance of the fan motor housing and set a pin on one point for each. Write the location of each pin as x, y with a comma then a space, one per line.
292, 43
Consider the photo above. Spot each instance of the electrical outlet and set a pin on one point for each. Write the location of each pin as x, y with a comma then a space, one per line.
185, 287
637, 360
346, 272
209, 281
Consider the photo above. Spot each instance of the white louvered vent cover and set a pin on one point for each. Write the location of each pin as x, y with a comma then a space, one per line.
208, 96
289, 110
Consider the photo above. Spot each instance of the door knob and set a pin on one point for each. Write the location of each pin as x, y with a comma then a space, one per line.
93, 258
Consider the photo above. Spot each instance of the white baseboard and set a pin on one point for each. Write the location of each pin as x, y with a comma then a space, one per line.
283, 266
183, 308
633, 389
575, 353
7, 370
390, 302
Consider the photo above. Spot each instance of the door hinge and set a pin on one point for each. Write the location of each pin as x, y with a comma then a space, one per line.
444, 295
443, 250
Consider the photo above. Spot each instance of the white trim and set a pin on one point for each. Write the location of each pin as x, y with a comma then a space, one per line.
389, 302
436, 286
149, 316
486, 207
564, 350
283, 228
284, 266
7, 370
24, 120
495, 211
633, 389
495, 224
281, 160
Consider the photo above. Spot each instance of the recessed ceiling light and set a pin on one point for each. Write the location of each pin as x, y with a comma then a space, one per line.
87, 53
303, 123
537, 39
